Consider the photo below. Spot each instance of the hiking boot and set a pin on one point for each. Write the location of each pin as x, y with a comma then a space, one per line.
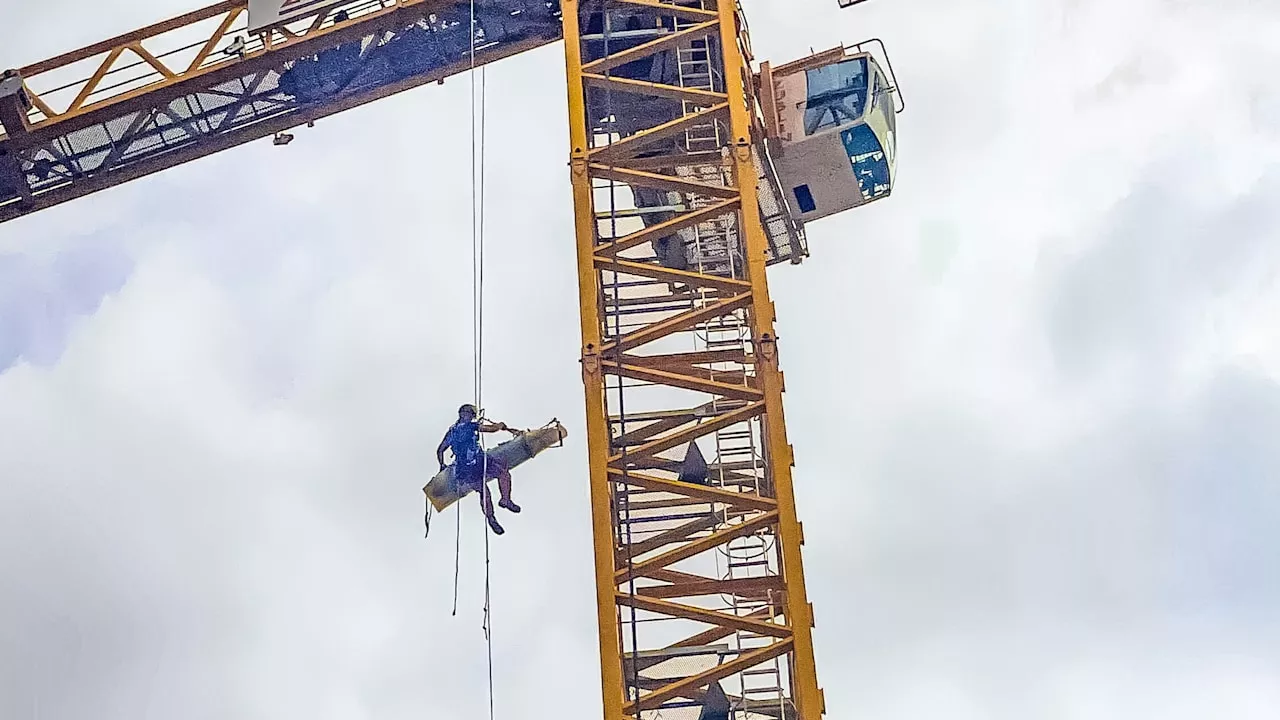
493, 525
506, 503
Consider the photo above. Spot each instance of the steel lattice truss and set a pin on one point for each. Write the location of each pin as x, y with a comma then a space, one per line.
700, 585
199, 84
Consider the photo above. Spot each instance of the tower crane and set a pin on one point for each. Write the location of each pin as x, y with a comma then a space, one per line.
693, 168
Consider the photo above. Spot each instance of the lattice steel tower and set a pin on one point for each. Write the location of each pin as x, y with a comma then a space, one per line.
700, 581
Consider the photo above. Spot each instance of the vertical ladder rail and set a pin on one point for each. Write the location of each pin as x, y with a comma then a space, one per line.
716, 252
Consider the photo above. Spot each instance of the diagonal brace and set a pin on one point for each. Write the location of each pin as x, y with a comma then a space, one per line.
701, 492
663, 444
684, 381
624, 150
669, 227
676, 323
638, 178
650, 89
719, 672
669, 275
696, 547
680, 11
703, 615
652, 47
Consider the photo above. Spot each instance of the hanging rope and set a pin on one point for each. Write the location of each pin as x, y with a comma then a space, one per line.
488, 621
477, 244
457, 558
477, 231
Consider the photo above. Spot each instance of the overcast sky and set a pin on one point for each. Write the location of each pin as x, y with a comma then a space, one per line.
1033, 394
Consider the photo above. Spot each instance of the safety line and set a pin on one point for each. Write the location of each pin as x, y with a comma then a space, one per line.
457, 557
477, 243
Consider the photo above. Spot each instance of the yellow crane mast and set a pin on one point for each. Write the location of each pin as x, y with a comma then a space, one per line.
691, 173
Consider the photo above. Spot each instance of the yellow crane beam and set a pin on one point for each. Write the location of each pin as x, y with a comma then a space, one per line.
652, 79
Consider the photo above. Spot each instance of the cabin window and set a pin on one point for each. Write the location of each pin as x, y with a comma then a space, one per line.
870, 166
805, 198
837, 95
882, 107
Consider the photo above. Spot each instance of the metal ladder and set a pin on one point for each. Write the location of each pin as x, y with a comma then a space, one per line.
716, 248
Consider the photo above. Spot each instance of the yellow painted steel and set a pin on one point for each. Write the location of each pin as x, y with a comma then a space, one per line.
806, 693
592, 378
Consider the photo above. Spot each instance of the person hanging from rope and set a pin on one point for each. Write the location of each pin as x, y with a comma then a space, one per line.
472, 466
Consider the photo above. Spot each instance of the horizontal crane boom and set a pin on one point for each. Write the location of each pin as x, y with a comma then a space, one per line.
194, 85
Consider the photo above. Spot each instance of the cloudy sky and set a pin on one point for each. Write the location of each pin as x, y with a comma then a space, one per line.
1033, 395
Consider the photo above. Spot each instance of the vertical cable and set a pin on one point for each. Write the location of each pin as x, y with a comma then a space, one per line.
457, 557
488, 620
477, 287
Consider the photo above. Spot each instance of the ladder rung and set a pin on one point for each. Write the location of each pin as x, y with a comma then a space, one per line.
642, 519
620, 34
747, 605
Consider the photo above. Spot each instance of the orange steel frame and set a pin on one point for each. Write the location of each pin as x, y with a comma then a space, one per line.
638, 586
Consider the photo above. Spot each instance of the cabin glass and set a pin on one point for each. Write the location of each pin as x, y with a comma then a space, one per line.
882, 109
837, 95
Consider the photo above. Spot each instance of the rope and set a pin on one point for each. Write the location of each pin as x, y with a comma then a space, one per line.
477, 228
477, 244
457, 558
487, 626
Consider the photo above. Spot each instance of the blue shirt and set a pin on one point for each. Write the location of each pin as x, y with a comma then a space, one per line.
464, 441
